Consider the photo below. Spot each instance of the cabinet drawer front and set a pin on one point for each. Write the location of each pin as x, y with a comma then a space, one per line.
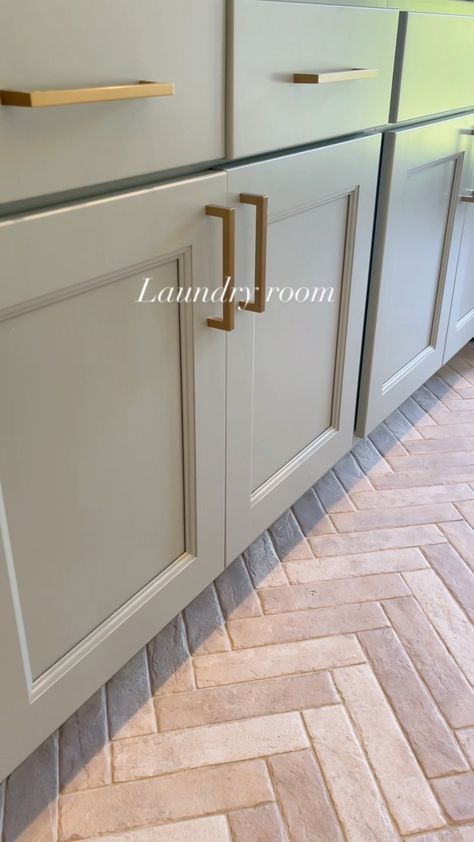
436, 65
273, 41
79, 47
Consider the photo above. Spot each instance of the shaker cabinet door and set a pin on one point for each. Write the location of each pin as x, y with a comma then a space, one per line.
292, 370
419, 220
112, 429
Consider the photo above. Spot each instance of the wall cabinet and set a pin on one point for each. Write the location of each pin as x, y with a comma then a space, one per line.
292, 370
111, 442
425, 171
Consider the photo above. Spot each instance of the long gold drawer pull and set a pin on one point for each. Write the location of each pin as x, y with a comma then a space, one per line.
76, 96
261, 204
468, 197
350, 75
228, 268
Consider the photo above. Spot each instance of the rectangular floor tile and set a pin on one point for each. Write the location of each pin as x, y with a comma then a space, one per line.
358, 802
304, 625
446, 616
235, 591
351, 475
263, 563
430, 476
205, 624
378, 539
252, 698
369, 458
84, 750
456, 794
402, 516
129, 702
444, 445
257, 824
413, 496
433, 742
208, 829
311, 516
117, 808
451, 834
455, 574
169, 659
386, 442
448, 685
278, 659
208, 745
288, 539
361, 564
449, 431
410, 799
435, 461
401, 427
332, 494
466, 738
31, 806
333, 592
303, 798
461, 536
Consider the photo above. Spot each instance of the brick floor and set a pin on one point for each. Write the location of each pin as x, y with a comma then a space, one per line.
319, 691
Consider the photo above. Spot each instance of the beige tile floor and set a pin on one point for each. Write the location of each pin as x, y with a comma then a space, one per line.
319, 690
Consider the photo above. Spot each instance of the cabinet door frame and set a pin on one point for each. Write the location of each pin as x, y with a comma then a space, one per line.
297, 183
31, 709
406, 150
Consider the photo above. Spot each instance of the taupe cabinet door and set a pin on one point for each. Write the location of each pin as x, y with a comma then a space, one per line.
292, 370
419, 220
461, 319
112, 428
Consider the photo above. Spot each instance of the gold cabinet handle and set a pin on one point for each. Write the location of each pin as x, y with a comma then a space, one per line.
228, 267
261, 205
76, 96
468, 197
350, 75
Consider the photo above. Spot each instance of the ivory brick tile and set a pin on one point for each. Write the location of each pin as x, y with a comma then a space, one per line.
455, 574
378, 539
466, 738
361, 564
31, 807
263, 564
311, 515
252, 698
402, 516
413, 496
208, 829
456, 794
258, 824
160, 754
369, 458
461, 536
386, 443
304, 799
449, 416
429, 476
289, 541
444, 445
205, 624
466, 391
467, 511
333, 592
278, 659
130, 706
449, 687
450, 834
303, 625
430, 737
408, 794
401, 427
350, 474
462, 367
84, 756
332, 494
358, 802
446, 616
460, 404
183, 795
236, 594
449, 431
169, 660
431, 461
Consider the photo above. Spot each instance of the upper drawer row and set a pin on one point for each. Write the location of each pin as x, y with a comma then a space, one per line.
297, 73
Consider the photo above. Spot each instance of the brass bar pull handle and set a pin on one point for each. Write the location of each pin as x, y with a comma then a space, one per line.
350, 75
468, 197
78, 96
228, 269
261, 205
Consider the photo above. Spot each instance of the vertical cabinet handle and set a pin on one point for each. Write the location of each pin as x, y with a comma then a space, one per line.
261, 205
228, 242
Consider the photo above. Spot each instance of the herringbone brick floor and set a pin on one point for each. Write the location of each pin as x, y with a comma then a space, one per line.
320, 690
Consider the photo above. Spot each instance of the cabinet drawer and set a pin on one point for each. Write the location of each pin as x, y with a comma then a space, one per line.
273, 41
435, 65
55, 45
